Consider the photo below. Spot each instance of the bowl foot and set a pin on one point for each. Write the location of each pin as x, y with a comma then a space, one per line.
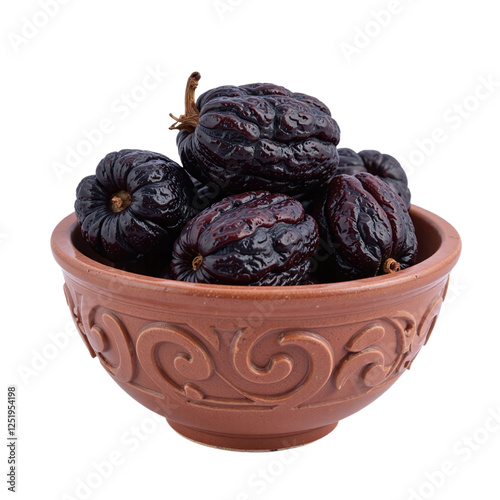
251, 443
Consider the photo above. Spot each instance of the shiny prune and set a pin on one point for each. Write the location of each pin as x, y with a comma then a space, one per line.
257, 137
136, 203
382, 165
366, 227
254, 238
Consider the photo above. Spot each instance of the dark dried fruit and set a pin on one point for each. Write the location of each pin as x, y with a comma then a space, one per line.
309, 200
366, 227
207, 194
253, 238
258, 136
135, 204
382, 165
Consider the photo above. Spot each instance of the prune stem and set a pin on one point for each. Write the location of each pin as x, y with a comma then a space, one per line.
188, 121
120, 201
197, 262
390, 266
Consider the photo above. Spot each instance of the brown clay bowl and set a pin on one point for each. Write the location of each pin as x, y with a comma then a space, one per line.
256, 368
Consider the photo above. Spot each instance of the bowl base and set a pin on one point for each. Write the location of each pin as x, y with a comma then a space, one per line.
251, 443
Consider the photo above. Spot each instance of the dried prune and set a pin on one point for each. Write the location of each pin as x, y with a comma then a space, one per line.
257, 137
382, 165
253, 238
207, 194
366, 227
137, 202
309, 200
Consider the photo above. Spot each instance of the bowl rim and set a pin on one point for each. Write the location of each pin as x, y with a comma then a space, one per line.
439, 263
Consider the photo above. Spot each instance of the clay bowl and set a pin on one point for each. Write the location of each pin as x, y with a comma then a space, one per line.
256, 368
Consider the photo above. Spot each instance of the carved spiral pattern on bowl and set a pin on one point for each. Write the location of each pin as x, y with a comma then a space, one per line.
369, 354
267, 368
106, 333
191, 359
280, 365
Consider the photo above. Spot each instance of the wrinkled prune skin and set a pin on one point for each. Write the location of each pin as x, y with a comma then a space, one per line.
255, 238
136, 203
382, 165
366, 226
261, 137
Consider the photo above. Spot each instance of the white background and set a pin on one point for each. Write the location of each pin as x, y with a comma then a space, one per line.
412, 87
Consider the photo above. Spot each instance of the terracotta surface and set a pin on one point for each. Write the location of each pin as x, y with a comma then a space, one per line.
256, 368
